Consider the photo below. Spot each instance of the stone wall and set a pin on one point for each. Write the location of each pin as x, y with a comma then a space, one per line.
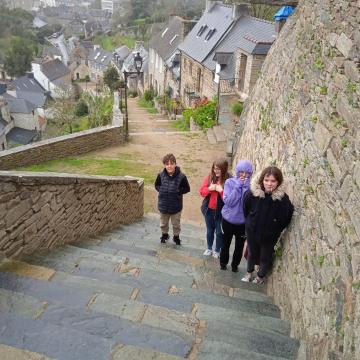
62, 146
303, 115
40, 211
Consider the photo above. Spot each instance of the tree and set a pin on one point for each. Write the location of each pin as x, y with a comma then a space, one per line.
63, 110
111, 78
18, 58
100, 109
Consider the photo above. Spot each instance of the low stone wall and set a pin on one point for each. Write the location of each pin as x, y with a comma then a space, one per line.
45, 210
67, 145
73, 144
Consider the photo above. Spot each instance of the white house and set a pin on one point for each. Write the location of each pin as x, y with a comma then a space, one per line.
52, 75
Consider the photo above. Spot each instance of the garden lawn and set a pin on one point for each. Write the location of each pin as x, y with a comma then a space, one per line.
95, 166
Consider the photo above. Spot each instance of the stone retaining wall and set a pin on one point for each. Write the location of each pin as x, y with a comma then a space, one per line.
67, 145
303, 115
40, 211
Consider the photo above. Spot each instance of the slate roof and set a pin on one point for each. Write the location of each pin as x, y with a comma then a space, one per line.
255, 36
51, 51
2, 88
100, 56
169, 38
54, 69
29, 89
197, 43
19, 106
21, 136
122, 52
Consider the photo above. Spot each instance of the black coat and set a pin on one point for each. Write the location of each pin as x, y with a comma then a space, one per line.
266, 215
171, 190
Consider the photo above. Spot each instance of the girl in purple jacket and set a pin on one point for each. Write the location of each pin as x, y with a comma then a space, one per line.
233, 222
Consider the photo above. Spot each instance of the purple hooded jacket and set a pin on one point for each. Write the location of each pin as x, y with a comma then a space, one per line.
234, 191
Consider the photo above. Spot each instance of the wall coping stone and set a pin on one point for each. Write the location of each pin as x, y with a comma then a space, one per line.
28, 177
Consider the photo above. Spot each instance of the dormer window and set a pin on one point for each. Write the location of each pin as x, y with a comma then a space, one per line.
210, 34
164, 32
201, 30
173, 39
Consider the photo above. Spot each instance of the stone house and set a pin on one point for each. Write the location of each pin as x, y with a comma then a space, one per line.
137, 82
51, 75
164, 62
224, 52
79, 61
99, 61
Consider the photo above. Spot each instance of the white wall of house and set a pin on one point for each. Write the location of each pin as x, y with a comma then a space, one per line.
156, 72
31, 121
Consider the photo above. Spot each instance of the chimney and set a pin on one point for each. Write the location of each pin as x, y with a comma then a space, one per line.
209, 5
240, 10
29, 75
279, 25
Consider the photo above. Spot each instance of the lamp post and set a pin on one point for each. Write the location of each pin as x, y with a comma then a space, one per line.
138, 62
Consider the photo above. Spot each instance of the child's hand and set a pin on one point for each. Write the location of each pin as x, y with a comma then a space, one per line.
212, 187
219, 188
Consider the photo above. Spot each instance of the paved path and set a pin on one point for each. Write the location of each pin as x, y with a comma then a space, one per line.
125, 296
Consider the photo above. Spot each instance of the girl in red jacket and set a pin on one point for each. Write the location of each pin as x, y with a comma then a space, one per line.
212, 189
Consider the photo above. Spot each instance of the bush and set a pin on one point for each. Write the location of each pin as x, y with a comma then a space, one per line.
203, 115
148, 95
237, 108
81, 108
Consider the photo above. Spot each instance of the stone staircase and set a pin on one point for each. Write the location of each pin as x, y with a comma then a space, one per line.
125, 296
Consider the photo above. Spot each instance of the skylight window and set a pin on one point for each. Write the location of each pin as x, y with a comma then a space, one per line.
201, 30
173, 39
97, 55
210, 34
164, 32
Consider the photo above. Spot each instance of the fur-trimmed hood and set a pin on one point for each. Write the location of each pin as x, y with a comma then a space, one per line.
257, 191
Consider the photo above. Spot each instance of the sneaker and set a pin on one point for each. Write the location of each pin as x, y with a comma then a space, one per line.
207, 252
258, 280
223, 267
163, 238
176, 240
247, 277
234, 269
216, 255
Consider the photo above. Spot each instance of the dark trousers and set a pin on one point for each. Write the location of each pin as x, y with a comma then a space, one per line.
229, 231
259, 251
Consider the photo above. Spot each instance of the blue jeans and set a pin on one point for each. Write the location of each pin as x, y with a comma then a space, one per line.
213, 225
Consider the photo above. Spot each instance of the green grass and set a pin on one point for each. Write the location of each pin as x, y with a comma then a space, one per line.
93, 166
180, 124
148, 105
109, 43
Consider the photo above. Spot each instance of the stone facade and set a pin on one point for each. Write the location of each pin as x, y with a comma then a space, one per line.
303, 115
40, 211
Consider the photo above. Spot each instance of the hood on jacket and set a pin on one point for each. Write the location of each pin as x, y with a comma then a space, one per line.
244, 165
257, 191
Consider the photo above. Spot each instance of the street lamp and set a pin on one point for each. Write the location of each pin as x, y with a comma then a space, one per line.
138, 62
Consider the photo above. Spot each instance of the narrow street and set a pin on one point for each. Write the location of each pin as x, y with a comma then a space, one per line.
151, 137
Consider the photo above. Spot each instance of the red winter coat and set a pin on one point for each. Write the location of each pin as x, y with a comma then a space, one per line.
204, 191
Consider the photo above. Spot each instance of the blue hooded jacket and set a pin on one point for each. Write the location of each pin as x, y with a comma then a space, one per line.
234, 191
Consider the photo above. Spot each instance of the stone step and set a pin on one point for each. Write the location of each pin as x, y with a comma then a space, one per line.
211, 349
85, 319
211, 313
245, 338
53, 341
126, 352
12, 353
211, 136
219, 133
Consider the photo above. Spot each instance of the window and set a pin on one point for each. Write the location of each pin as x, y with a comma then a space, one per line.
210, 34
173, 39
201, 30
164, 32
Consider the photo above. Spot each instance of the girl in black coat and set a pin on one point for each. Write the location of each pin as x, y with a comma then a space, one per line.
268, 212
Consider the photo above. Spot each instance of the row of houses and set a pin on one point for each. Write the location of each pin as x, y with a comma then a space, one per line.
222, 52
